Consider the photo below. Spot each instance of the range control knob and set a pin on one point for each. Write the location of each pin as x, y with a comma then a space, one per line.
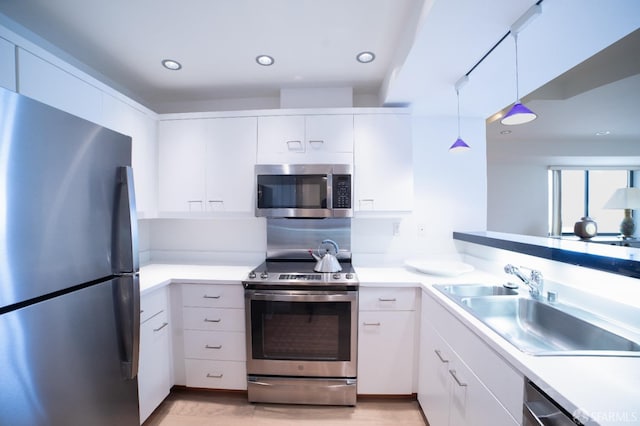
252, 274
336, 276
264, 275
349, 276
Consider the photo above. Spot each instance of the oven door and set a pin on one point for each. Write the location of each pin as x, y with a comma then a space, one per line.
301, 333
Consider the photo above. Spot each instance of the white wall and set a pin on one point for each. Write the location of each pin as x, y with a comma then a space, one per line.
517, 170
450, 194
517, 178
226, 240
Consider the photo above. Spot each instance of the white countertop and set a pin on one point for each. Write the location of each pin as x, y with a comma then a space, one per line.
607, 388
157, 275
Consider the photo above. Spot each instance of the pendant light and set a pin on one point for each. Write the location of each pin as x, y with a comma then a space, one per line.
459, 144
520, 114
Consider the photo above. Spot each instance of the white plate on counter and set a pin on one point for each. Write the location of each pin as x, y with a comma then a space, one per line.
443, 268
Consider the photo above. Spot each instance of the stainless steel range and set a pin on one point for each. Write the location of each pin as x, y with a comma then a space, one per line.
301, 324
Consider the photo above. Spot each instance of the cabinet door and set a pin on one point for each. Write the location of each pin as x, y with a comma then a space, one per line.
281, 139
142, 128
385, 352
154, 380
181, 172
230, 160
434, 381
305, 139
383, 162
329, 138
472, 403
7, 65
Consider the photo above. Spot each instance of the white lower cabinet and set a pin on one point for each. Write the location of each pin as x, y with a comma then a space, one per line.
154, 373
214, 336
450, 391
386, 336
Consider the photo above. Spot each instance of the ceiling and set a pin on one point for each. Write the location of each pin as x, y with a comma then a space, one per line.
422, 48
314, 43
599, 95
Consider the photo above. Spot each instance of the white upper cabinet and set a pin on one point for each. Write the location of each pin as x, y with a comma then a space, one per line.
54, 86
7, 65
305, 139
206, 165
383, 164
181, 165
142, 128
230, 153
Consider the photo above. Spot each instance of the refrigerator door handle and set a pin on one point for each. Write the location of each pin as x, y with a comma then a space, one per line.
126, 229
126, 294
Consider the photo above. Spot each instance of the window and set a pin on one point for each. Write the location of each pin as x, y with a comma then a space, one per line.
579, 192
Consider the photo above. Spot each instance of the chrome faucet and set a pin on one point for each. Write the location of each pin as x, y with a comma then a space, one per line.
535, 282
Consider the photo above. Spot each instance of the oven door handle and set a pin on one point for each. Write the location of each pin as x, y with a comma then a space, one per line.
317, 296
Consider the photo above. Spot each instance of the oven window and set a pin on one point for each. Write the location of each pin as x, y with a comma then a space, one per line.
292, 191
311, 331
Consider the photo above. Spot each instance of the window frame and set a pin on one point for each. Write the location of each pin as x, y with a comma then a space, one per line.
555, 195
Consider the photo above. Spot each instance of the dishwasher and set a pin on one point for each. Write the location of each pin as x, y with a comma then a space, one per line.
540, 410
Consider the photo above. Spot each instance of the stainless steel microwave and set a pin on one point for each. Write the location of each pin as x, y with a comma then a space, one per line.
304, 190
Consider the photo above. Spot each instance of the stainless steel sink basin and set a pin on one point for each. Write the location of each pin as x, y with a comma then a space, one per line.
541, 328
475, 290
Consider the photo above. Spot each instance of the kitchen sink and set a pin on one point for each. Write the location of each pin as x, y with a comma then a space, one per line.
541, 328
475, 290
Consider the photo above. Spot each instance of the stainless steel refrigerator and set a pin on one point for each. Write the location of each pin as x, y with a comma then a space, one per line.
69, 291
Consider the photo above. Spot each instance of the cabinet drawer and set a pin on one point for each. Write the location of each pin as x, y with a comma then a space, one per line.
216, 345
387, 299
213, 295
216, 374
213, 319
153, 303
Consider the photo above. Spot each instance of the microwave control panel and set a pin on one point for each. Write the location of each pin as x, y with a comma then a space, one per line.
341, 191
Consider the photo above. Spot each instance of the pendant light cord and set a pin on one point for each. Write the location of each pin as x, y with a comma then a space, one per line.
458, 96
515, 38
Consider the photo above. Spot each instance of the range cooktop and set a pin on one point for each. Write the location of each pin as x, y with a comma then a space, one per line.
300, 274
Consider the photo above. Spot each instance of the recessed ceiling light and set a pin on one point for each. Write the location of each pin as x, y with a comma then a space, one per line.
264, 60
365, 57
170, 64
603, 133
505, 132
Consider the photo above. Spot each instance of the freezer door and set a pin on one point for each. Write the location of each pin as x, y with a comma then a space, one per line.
61, 362
59, 185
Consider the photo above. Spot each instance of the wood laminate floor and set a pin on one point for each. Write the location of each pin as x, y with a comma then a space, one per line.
202, 408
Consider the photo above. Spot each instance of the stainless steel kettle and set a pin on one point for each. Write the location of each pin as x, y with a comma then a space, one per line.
326, 262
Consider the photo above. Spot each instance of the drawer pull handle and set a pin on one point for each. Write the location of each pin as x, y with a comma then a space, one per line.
442, 359
213, 347
382, 299
210, 297
215, 376
377, 324
161, 327
212, 320
455, 377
